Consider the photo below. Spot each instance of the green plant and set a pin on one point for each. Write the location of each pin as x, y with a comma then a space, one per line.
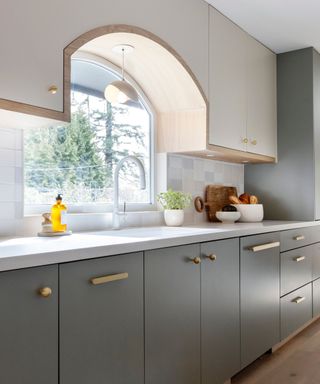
174, 199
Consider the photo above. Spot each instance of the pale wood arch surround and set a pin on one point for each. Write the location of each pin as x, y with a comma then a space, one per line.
75, 45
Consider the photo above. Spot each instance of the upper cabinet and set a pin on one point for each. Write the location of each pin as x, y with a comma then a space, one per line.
234, 76
261, 99
242, 83
239, 121
228, 83
32, 54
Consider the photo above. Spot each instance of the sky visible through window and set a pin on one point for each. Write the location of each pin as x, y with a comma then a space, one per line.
78, 159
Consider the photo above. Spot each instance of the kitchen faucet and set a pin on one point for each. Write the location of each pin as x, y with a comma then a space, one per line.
116, 214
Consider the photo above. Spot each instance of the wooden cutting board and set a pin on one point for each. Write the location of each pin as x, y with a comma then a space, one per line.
216, 197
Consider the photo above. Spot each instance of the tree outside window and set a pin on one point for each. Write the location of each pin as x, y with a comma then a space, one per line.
78, 159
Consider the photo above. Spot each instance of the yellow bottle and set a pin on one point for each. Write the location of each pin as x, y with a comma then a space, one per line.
58, 215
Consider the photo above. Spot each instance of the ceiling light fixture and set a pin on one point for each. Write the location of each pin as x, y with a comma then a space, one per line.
120, 91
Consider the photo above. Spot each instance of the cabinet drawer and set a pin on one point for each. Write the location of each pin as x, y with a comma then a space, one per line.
296, 268
316, 298
295, 238
296, 310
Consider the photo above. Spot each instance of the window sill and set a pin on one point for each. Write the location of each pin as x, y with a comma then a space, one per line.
86, 222
102, 209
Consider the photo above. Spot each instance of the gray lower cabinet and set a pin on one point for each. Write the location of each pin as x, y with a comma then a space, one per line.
260, 292
296, 310
101, 321
316, 261
29, 326
220, 312
316, 298
172, 315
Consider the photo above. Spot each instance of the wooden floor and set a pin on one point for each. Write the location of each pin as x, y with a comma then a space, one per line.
297, 362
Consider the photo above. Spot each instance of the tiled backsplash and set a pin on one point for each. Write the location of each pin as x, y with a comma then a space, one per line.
11, 180
191, 175
183, 173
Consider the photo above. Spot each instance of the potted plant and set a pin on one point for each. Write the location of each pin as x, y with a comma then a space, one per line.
173, 203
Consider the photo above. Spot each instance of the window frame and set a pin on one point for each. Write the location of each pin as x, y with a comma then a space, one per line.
36, 209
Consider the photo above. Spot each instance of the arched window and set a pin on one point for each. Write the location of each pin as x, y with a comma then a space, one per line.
78, 159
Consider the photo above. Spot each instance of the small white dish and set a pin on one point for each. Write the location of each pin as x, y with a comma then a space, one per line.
250, 213
228, 217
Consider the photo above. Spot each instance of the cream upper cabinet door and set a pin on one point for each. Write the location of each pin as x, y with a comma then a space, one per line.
262, 99
227, 83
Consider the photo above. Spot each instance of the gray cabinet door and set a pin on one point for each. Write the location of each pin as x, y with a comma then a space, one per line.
260, 296
29, 326
220, 313
172, 316
316, 261
101, 326
316, 298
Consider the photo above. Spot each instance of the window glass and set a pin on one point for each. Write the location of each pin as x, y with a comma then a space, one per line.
78, 159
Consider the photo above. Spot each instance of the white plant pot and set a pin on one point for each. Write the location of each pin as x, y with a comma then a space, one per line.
174, 217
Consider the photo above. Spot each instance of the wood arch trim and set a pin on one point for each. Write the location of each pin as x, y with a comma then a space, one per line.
70, 49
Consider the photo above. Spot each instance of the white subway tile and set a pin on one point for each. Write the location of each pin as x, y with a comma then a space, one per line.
7, 174
7, 226
7, 210
7, 139
175, 161
7, 157
7, 193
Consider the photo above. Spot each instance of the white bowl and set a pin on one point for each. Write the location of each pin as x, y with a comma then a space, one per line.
228, 217
250, 213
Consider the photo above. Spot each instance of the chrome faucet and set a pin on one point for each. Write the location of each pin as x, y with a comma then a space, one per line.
116, 214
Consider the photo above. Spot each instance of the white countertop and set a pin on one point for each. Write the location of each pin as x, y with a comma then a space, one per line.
26, 252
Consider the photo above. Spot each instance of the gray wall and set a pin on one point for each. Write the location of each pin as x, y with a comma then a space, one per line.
287, 189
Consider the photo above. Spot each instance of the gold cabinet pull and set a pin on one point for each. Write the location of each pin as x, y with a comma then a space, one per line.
263, 247
254, 142
109, 278
45, 292
212, 257
299, 258
299, 237
196, 260
299, 299
245, 140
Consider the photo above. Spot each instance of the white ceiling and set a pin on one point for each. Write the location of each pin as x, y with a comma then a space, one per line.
281, 25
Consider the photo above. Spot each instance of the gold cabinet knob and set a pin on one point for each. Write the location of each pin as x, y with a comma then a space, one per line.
245, 140
45, 292
212, 257
53, 89
254, 142
196, 260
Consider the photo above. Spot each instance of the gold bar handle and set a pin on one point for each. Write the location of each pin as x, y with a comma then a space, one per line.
299, 258
263, 247
298, 299
109, 278
299, 237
